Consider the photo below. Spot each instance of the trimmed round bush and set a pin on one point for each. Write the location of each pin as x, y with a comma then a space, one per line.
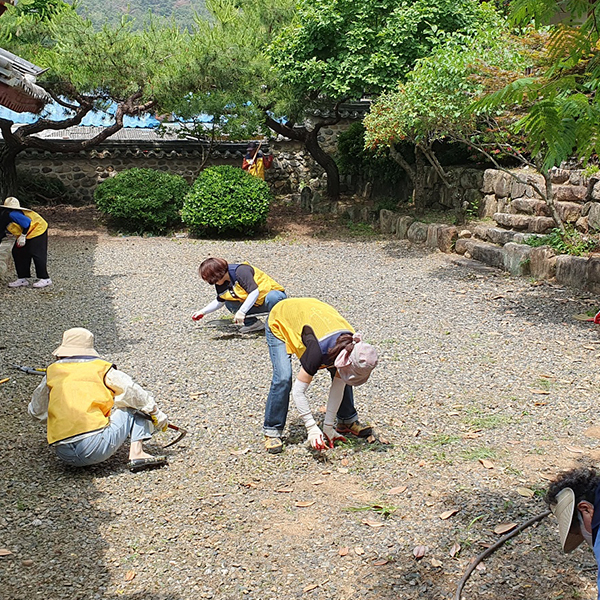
226, 199
142, 200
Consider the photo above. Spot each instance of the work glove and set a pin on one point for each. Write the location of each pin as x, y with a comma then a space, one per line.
197, 316
331, 435
250, 162
21, 240
239, 318
160, 420
315, 438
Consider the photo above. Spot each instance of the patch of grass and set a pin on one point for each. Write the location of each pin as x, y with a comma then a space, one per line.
384, 510
488, 421
363, 230
478, 453
572, 241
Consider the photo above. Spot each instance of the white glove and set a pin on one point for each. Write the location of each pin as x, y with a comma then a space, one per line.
21, 240
239, 318
315, 438
160, 420
331, 435
197, 315
250, 162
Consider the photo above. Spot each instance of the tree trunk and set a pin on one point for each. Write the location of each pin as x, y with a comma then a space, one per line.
326, 161
550, 200
419, 181
311, 143
8, 171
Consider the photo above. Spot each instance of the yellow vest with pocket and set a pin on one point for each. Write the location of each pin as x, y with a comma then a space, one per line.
37, 227
265, 285
288, 317
79, 401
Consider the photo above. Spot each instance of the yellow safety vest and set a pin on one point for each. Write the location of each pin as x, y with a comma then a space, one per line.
37, 227
79, 401
265, 285
288, 317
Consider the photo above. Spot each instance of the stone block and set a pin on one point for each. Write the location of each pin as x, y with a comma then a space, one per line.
541, 224
530, 206
6, 262
570, 193
593, 274
488, 206
559, 175
433, 233
402, 225
447, 237
488, 254
542, 262
463, 245
501, 236
387, 221
496, 182
516, 258
417, 232
512, 221
569, 212
481, 232
582, 224
594, 216
571, 271
465, 233
596, 191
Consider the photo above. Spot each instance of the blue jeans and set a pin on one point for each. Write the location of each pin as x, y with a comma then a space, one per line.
102, 445
278, 400
271, 299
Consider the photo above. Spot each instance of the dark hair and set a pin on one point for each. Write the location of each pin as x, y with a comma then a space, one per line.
343, 342
583, 482
213, 269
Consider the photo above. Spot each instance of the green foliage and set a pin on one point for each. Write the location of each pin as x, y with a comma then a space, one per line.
571, 241
39, 190
142, 200
346, 49
353, 159
226, 199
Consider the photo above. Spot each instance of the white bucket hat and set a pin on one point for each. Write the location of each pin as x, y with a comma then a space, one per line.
563, 510
12, 203
76, 342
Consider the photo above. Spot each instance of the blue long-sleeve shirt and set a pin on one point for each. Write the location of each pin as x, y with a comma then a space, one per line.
13, 216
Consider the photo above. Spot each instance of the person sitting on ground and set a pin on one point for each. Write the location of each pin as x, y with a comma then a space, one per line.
31, 231
255, 162
91, 408
243, 289
574, 498
322, 339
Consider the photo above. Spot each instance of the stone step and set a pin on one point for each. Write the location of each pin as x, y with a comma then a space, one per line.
528, 223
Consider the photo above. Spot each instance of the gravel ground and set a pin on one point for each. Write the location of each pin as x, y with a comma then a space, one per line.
477, 370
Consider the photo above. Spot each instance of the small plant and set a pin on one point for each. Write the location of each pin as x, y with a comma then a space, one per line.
226, 199
42, 190
142, 200
590, 171
384, 511
570, 242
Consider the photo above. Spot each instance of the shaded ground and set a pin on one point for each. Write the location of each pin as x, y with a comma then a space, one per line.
486, 388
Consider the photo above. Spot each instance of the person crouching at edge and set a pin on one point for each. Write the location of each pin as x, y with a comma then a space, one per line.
91, 407
574, 499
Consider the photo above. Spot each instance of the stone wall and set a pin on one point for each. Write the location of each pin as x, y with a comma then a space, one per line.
81, 172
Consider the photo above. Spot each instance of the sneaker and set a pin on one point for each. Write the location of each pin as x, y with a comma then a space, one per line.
258, 326
18, 283
42, 283
356, 428
273, 445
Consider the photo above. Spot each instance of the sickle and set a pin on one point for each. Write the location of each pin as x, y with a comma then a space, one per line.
182, 434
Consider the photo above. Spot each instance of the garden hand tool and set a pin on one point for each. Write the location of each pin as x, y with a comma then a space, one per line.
30, 370
182, 432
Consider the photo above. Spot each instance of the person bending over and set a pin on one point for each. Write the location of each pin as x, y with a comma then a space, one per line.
243, 289
91, 407
322, 339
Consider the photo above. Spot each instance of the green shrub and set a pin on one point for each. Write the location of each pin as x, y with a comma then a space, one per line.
226, 199
142, 200
570, 242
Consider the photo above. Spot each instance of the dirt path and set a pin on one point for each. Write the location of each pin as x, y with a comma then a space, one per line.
486, 388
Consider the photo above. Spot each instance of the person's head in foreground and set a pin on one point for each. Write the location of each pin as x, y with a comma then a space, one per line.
571, 498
